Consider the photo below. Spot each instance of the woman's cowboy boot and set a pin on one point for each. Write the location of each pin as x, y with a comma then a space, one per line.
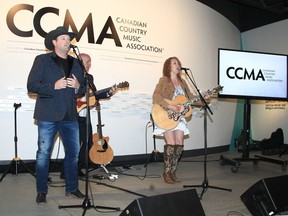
168, 153
178, 149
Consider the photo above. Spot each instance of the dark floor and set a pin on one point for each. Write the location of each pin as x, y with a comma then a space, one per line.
128, 184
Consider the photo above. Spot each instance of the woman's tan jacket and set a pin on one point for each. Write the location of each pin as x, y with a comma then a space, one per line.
165, 90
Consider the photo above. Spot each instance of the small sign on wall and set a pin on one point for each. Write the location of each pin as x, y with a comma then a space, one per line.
275, 105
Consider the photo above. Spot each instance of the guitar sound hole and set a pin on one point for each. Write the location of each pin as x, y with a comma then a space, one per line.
103, 150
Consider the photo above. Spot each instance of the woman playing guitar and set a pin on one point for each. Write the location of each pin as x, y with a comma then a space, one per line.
169, 87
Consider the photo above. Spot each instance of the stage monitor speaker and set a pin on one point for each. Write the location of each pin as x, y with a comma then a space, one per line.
268, 196
184, 203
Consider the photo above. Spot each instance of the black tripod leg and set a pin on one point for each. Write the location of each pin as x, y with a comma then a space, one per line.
15, 162
70, 206
26, 168
87, 205
205, 185
285, 150
108, 208
204, 188
226, 189
84, 212
8, 169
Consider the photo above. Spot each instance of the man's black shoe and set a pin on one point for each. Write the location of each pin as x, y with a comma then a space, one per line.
76, 194
41, 198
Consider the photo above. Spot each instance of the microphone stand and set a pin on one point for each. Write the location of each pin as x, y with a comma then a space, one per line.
16, 160
205, 185
89, 85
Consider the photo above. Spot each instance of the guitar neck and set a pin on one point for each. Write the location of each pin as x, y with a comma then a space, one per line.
120, 85
194, 100
208, 93
102, 91
92, 95
99, 127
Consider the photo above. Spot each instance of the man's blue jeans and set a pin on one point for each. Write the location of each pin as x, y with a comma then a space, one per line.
69, 132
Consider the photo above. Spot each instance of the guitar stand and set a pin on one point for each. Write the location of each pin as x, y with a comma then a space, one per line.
16, 160
111, 177
155, 152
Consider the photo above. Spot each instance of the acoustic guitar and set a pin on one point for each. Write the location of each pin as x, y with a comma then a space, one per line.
81, 104
166, 119
100, 152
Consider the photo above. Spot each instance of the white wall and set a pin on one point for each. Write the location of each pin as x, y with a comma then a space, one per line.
183, 28
266, 116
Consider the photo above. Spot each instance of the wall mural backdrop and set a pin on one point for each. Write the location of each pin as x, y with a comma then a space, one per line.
128, 41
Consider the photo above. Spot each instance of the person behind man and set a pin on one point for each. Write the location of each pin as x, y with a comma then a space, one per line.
86, 60
171, 85
56, 78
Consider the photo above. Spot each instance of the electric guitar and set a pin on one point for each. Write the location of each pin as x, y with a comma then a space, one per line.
81, 104
100, 152
166, 119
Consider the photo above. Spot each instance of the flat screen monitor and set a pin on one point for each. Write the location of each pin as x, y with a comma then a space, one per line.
252, 75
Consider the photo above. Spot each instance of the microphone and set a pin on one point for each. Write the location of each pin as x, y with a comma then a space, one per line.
185, 69
72, 46
17, 105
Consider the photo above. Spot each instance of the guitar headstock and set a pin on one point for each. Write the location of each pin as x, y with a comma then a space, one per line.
124, 84
215, 90
218, 88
